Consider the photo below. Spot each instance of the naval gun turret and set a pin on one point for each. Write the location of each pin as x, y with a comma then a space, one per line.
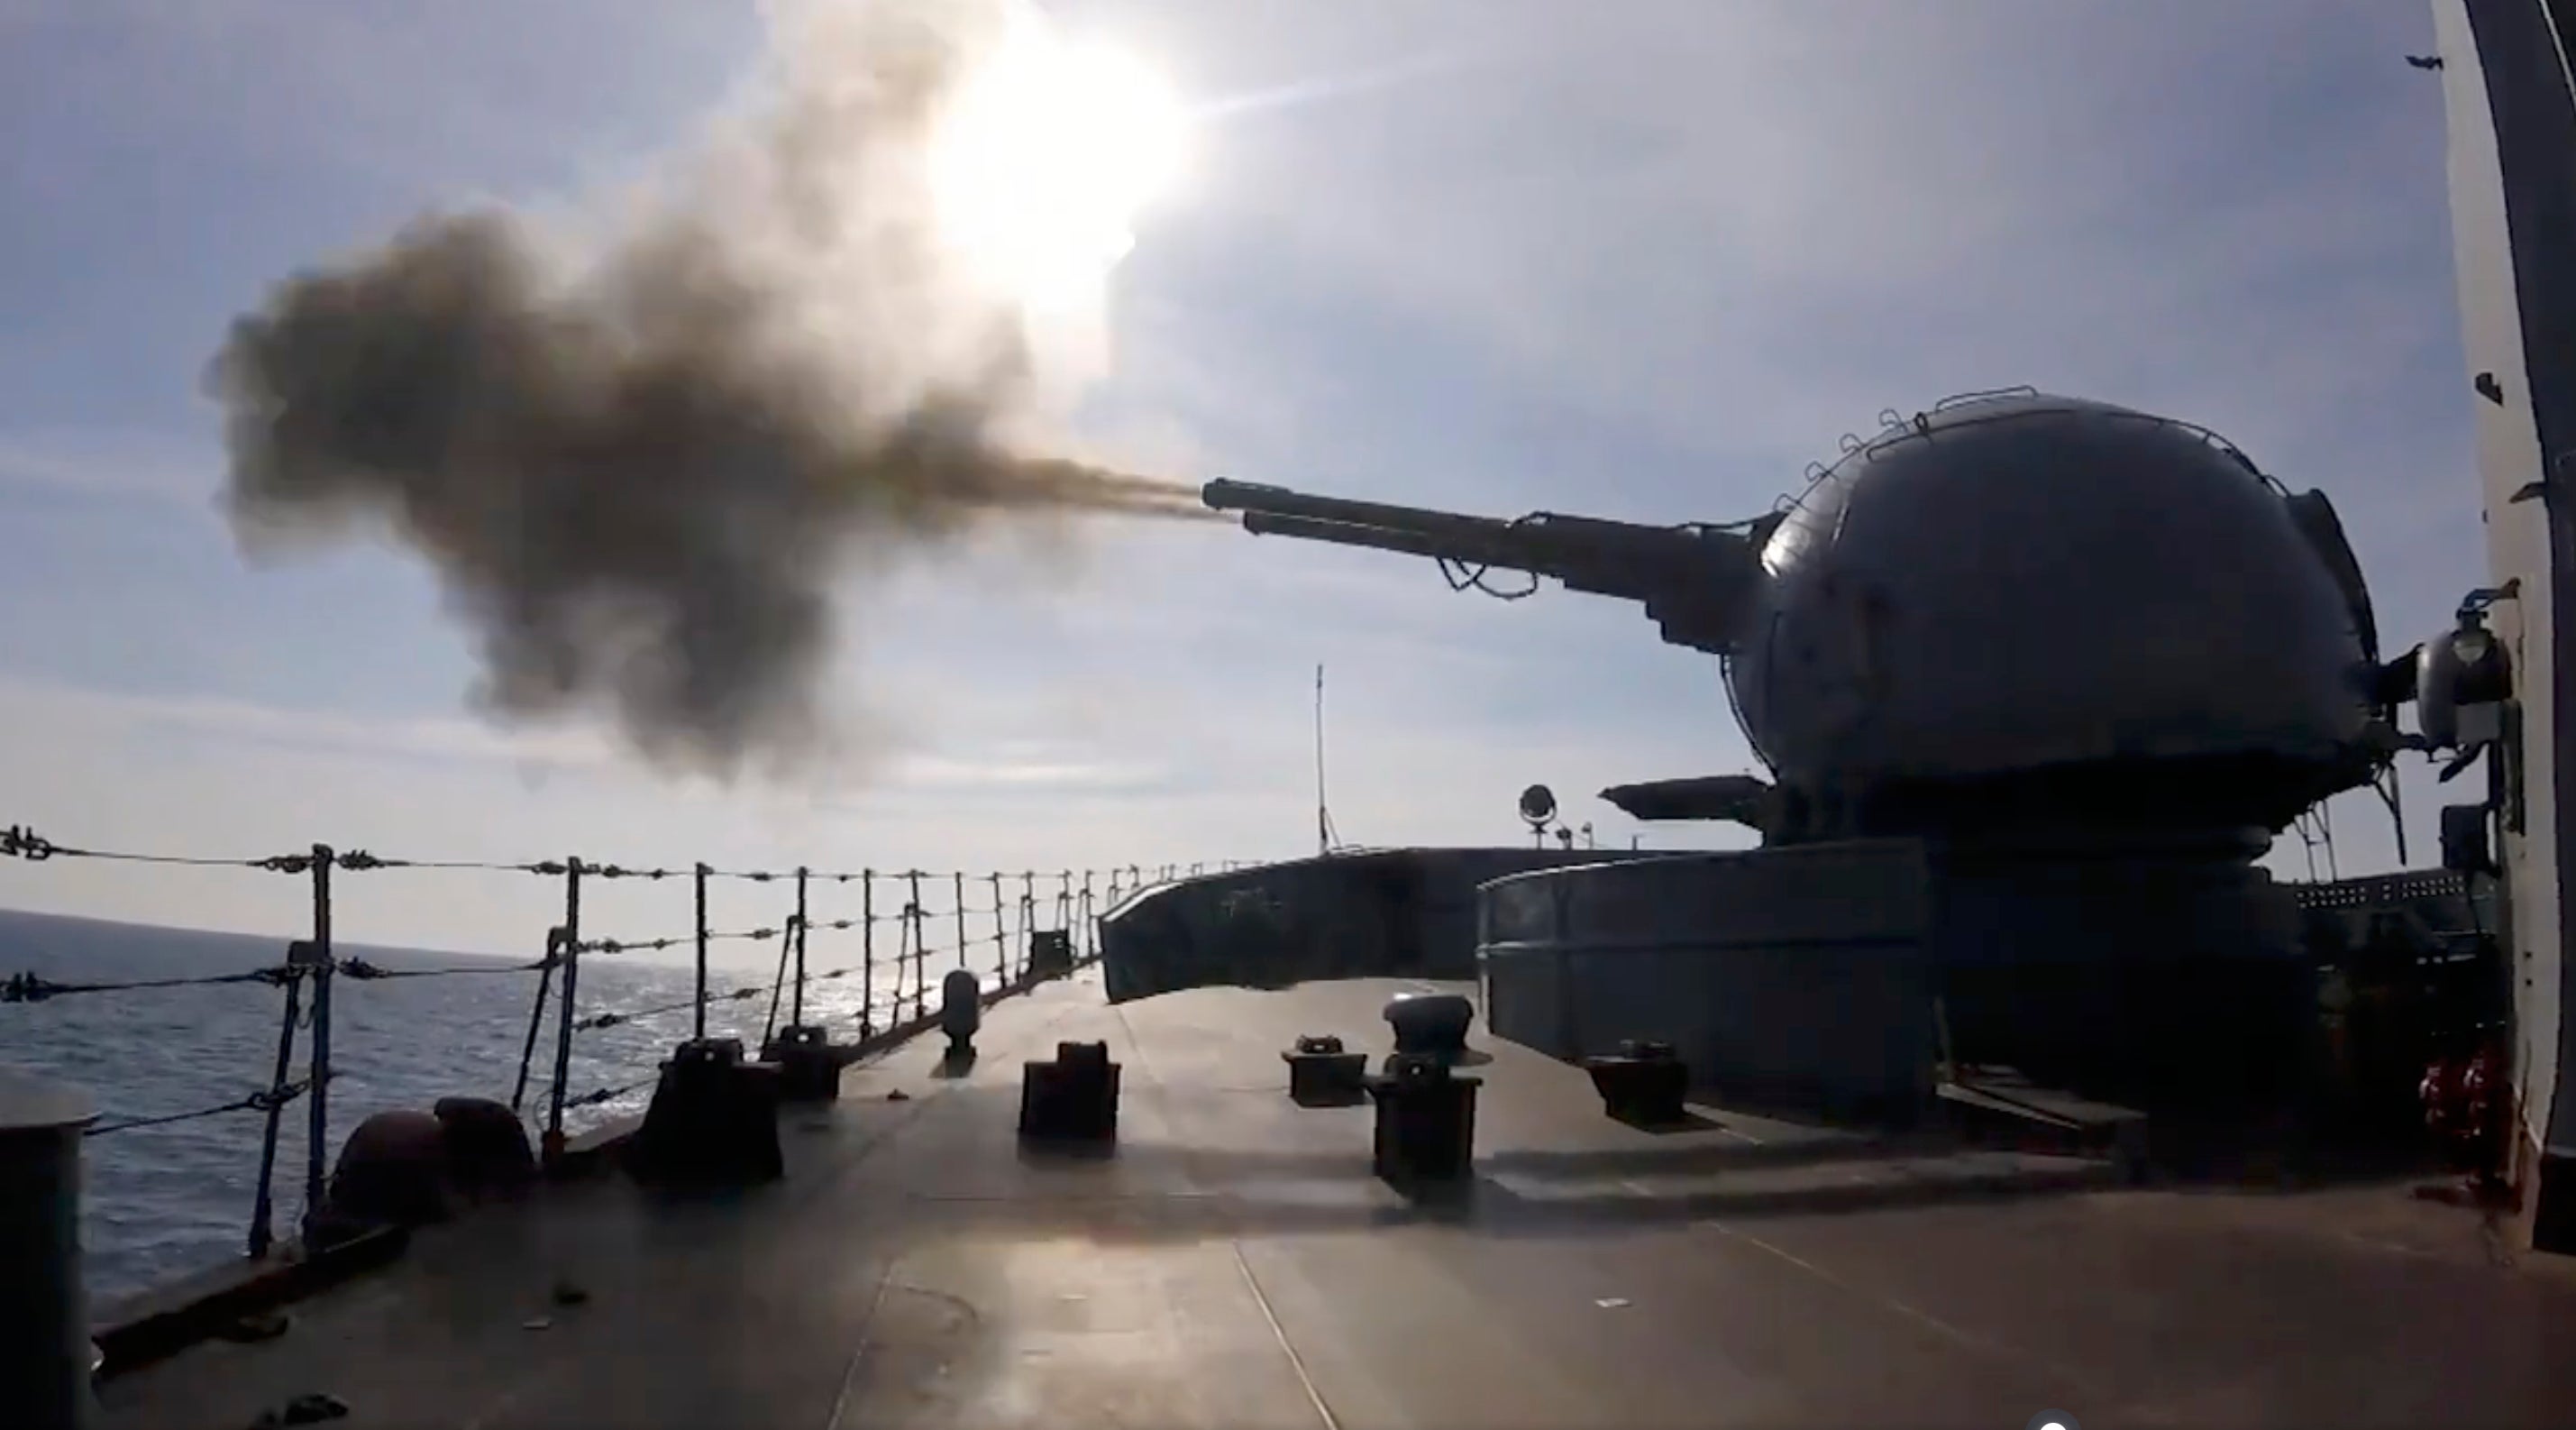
2013, 612
2032, 682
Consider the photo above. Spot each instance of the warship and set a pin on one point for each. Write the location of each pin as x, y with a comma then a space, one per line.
1997, 1084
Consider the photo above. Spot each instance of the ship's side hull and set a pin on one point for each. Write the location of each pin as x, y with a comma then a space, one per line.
2512, 123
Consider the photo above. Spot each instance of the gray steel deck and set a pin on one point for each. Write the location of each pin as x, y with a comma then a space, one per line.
1234, 1265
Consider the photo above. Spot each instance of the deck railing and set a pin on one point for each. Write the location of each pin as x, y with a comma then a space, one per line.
905, 922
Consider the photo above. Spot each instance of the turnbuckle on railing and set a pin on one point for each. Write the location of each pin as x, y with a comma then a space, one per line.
312, 966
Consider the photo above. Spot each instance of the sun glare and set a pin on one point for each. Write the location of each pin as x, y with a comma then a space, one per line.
1045, 159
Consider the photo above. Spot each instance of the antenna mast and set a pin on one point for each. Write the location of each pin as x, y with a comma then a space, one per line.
1323, 814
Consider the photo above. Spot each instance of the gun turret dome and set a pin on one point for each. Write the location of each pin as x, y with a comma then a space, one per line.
2023, 583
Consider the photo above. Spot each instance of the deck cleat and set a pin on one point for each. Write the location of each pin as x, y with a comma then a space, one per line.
1050, 955
1072, 1098
1644, 1084
1322, 1074
713, 1120
809, 1067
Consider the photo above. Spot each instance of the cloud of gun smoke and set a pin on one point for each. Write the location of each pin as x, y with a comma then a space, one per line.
640, 472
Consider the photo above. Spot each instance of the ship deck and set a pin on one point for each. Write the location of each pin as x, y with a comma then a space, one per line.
1234, 1264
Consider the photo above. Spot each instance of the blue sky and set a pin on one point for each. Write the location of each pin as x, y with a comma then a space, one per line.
1637, 258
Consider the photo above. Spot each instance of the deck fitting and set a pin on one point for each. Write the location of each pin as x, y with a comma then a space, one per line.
1426, 1124
713, 1120
1644, 1084
1322, 1074
809, 1067
1072, 1097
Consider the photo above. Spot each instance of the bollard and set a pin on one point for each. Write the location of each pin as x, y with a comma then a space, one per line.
809, 1067
45, 1357
713, 1120
1050, 955
391, 1172
961, 1013
489, 1156
1426, 1125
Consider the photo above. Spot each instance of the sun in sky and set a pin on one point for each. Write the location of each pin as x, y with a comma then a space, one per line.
1045, 157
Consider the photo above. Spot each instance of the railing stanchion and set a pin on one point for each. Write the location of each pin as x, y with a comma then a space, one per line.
698, 1025
867, 953
1001, 939
777, 989
317, 1126
1028, 919
263, 1202
1090, 917
537, 1013
796, 1003
920, 946
554, 1139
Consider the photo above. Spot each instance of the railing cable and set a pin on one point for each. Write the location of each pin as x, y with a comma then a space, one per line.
29, 988
263, 1100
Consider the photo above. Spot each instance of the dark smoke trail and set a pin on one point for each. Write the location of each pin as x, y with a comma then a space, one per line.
640, 475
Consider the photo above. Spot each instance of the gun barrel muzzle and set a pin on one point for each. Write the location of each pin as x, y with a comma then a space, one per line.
1223, 495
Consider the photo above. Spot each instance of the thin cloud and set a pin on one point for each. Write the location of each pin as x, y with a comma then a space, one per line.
111, 465
1007, 766
406, 737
